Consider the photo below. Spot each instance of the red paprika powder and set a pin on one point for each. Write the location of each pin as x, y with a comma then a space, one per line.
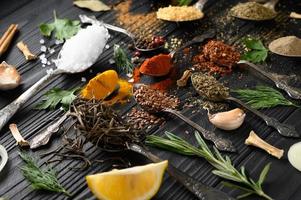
158, 65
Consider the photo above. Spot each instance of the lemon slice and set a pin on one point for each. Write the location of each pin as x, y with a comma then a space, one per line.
135, 183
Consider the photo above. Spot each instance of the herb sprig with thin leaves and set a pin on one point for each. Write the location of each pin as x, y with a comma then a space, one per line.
184, 2
40, 179
122, 61
223, 165
56, 96
263, 97
256, 51
62, 28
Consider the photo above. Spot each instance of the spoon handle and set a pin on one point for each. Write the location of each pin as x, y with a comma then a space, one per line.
10, 110
283, 129
220, 143
293, 92
199, 189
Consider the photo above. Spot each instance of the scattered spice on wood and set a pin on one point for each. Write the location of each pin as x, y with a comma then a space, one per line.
179, 13
286, 46
142, 119
153, 100
252, 11
149, 42
162, 85
184, 79
158, 65
7, 37
9, 77
26, 52
17, 135
102, 126
208, 87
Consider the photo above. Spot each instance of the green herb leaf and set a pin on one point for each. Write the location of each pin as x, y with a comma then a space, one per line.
55, 96
263, 97
122, 61
256, 51
184, 2
62, 28
264, 173
40, 179
223, 165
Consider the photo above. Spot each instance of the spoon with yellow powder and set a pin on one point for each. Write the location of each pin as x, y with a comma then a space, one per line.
182, 13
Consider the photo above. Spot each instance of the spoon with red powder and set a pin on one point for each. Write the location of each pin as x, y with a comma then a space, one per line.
155, 101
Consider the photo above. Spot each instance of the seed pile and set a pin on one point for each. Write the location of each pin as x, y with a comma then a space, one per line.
102, 126
142, 119
216, 57
252, 11
154, 100
149, 42
208, 87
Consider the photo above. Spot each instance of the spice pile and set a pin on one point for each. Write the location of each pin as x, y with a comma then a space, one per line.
216, 57
287, 46
179, 13
142, 119
153, 100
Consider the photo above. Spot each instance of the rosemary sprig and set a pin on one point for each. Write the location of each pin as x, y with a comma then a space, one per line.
122, 61
40, 179
223, 165
263, 97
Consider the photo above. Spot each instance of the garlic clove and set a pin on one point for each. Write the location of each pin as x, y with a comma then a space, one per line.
293, 155
229, 120
9, 77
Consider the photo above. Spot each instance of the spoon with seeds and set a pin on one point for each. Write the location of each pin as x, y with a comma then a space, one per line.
104, 127
93, 20
155, 101
209, 88
254, 11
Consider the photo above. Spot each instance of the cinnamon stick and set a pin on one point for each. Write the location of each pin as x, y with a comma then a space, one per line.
7, 38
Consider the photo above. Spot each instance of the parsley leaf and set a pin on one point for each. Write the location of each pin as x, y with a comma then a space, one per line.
56, 96
256, 51
62, 28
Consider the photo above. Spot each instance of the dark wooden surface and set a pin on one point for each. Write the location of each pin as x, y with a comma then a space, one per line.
283, 182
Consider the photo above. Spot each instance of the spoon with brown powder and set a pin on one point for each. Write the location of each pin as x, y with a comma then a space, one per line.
209, 88
254, 11
155, 101
289, 46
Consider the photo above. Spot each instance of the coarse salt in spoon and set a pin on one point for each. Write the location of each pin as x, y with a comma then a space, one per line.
77, 54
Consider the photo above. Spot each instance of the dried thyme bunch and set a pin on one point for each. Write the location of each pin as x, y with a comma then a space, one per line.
224, 167
102, 126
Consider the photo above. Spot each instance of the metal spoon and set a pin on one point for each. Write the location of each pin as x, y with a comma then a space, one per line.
93, 20
283, 129
270, 5
8, 111
220, 143
280, 81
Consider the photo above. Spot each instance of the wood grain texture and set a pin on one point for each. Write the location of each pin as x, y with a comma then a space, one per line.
283, 181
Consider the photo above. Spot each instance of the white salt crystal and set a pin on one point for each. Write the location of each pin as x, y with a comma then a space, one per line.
42, 56
83, 79
43, 48
111, 61
129, 75
43, 65
82, 50
91, 71
57, 42
107, 46
51, 51
48, 71
44, 61
48, 63
42, 41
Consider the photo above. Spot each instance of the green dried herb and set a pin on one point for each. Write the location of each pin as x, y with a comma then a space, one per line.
263, 97
122, 61
56, 96
223, 165
256, 51
184, 2
40, 179
62, 28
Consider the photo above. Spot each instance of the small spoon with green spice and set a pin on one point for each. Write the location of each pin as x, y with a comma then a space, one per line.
209, 88
254, 11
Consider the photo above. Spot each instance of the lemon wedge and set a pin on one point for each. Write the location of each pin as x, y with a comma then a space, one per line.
135, 183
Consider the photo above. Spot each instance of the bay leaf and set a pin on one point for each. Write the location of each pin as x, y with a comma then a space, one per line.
94, 5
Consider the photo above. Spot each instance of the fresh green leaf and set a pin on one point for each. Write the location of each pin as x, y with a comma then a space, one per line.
57, 96
94, 5
244, 195
263, 174
263, 97
40, 179
256, 51
184, 2
223, 165
62, 28
122, 61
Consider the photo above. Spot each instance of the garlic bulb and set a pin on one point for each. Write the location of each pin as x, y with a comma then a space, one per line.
9, 77
229, 120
